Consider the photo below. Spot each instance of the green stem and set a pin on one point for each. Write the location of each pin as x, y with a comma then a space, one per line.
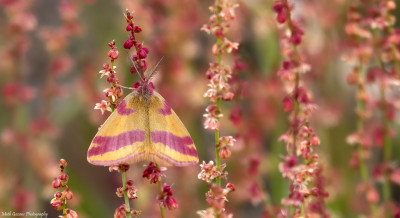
127, 206
162, 210
65, 200
217, 149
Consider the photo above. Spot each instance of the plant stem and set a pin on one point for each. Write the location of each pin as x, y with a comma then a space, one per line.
64, 201
127, 206
162, 210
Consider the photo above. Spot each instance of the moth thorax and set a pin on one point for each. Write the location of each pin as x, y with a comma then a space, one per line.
146, 90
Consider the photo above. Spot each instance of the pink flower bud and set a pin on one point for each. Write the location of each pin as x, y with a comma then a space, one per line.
128, 44
278, 7
287, 104
167, 190
224, 153
129, 28
57, 183
62, 163
228, 96
296, 38
111, 44
137, 29
129, 183
120, 212
135, 86
133, 70
58, 195
63, 177
143, 65
146, 50
68, 194
113, 53
281, 17
71, 213
106, 66
171, 203
57, 205
373, 196
230, 186
315, 141
142, 54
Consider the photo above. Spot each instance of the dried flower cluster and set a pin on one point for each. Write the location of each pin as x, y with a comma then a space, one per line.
59, 201
375, 58
219, 75
300, 166
154, 174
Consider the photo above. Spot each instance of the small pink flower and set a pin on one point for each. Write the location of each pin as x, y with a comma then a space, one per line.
131, 192
68, 194
57, 183
224, 153
120, 212
71, 214
103, 106
62, 163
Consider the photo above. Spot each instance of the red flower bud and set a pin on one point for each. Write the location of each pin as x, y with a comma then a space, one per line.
142, 54
137, 29
129, 28
129, 183
171, 203
111, 44
287, 104
230, 186
281, 17
128, 44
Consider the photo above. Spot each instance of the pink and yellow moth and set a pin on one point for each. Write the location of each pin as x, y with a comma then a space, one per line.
143, 127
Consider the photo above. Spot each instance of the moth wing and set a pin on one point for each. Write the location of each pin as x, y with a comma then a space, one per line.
121, 139
170, 141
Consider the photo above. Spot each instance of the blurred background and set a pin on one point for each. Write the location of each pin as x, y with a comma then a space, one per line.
50, 56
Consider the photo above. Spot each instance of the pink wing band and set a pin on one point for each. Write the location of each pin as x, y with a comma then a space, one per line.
138, 157
112, 143
179, 144
122, 110
166, 110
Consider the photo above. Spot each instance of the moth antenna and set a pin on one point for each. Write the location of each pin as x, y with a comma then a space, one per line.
134, 65
154, 71
125, 87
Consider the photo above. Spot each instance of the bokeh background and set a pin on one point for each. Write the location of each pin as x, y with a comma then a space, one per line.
50, 55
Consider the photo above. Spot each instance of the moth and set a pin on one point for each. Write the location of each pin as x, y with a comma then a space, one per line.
143, 127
